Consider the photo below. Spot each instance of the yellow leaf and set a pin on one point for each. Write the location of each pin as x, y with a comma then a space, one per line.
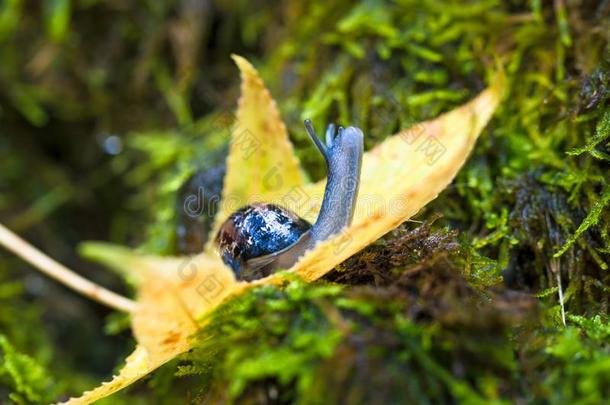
399, 177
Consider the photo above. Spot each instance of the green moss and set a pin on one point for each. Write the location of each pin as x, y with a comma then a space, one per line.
578, 362
28, 381
25, 350
320, 343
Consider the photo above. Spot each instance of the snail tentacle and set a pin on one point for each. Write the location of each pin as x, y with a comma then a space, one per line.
330, 134
312, 135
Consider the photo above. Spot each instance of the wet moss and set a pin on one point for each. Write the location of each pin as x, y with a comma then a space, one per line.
409, 335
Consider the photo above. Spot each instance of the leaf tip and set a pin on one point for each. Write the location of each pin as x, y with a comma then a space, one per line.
114, 256
244, 66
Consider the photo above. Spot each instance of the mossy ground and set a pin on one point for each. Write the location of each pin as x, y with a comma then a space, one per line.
462, 306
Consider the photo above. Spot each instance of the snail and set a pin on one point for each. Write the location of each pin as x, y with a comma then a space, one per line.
260, 238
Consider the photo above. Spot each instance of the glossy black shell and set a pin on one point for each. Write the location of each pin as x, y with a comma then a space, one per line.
258, 230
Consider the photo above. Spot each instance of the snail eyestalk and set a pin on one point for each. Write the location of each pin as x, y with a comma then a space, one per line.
314, 137
62, 274
330, 134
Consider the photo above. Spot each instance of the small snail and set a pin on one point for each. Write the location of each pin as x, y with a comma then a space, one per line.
260, 238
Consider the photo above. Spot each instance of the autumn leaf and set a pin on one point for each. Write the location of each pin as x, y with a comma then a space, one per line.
399, 177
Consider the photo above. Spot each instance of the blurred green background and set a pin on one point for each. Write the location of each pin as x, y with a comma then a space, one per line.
107, 107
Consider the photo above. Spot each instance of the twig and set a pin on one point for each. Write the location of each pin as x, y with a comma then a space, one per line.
62, 274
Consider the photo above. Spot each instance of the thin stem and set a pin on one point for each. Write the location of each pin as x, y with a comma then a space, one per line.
62, 274
555, 269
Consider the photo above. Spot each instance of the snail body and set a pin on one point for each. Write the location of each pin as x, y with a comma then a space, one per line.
260, 238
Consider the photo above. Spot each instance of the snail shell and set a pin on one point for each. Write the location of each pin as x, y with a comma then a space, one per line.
256, 231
